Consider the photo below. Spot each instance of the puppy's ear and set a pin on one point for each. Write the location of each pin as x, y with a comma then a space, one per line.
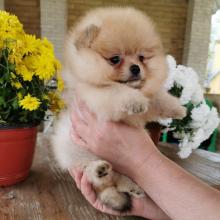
86, 37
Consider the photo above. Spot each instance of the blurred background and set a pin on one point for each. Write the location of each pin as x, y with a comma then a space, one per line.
190, 29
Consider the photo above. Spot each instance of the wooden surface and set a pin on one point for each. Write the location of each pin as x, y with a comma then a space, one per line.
50, 194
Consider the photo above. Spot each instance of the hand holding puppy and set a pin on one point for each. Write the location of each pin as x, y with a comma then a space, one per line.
143, 207
126, 149
120, 141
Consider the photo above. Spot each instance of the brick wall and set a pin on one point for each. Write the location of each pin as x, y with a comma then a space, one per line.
169, 16
28, 11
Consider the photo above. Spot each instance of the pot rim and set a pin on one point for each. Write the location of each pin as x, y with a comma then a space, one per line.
16, 126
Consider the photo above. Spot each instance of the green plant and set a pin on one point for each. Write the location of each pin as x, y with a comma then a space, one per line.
29, 73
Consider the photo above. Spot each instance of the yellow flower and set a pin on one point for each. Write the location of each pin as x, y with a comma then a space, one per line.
56, 103
14, 81
31, 44
24, 72
17, 85
10, 27
57, 65
19, 95
45, 97
16, 51
30, 103
60, 83
46, 45
45, 69
13, 76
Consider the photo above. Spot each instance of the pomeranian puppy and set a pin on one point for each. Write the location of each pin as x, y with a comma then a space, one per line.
114, 62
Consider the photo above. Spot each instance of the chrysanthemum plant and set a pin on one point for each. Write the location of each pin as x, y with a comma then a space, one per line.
30, 83
201, 119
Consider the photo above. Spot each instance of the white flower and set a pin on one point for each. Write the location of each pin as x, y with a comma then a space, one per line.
185, 147
199, 115
197, 138
212, 123
187, 78
185, 152
179, 135
197, 96
204, 120
165, 122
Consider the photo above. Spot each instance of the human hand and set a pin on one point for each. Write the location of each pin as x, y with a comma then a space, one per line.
143, 207
126, 148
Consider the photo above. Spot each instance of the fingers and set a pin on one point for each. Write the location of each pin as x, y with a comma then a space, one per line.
84, 111
76, 118
77, 110
80, 132
87, 190
77, 175
77, 139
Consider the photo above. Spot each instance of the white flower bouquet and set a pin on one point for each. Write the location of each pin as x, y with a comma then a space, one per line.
201, 119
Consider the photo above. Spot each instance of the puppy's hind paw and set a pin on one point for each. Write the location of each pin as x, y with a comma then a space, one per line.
137, 192
126, 185
103, 169
115, 200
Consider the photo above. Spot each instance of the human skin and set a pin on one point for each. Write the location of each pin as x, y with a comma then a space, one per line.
180, 195
143, 207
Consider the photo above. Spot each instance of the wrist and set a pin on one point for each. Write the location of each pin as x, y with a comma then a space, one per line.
151, 161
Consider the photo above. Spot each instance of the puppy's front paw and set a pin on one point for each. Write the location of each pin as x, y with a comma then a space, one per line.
135, 106
179, 113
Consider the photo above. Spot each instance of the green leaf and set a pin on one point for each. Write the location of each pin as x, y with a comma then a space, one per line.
11, 67
2, 101
15, 104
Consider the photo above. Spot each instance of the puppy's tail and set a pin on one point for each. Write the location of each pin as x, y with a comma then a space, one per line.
115, 200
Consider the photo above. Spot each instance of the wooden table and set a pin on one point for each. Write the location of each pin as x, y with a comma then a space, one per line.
50, 194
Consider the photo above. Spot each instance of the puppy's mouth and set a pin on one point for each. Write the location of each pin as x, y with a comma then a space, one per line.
134, 82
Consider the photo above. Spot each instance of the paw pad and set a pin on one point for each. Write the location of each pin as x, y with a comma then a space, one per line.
103, 170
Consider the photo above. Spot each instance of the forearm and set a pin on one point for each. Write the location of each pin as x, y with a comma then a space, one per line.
178, 193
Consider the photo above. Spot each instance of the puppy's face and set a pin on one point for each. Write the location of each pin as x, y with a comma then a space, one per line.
128, 69
127, 50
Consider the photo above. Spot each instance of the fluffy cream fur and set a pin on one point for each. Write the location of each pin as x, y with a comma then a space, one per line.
111, 90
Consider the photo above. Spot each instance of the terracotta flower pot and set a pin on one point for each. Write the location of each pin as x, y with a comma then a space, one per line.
17, 147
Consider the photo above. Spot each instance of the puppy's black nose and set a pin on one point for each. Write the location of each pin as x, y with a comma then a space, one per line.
135, 70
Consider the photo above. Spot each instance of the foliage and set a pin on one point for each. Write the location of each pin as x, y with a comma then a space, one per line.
200, 120
27, 68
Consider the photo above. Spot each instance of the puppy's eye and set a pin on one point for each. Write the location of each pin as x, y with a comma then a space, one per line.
141, 58
115, 60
